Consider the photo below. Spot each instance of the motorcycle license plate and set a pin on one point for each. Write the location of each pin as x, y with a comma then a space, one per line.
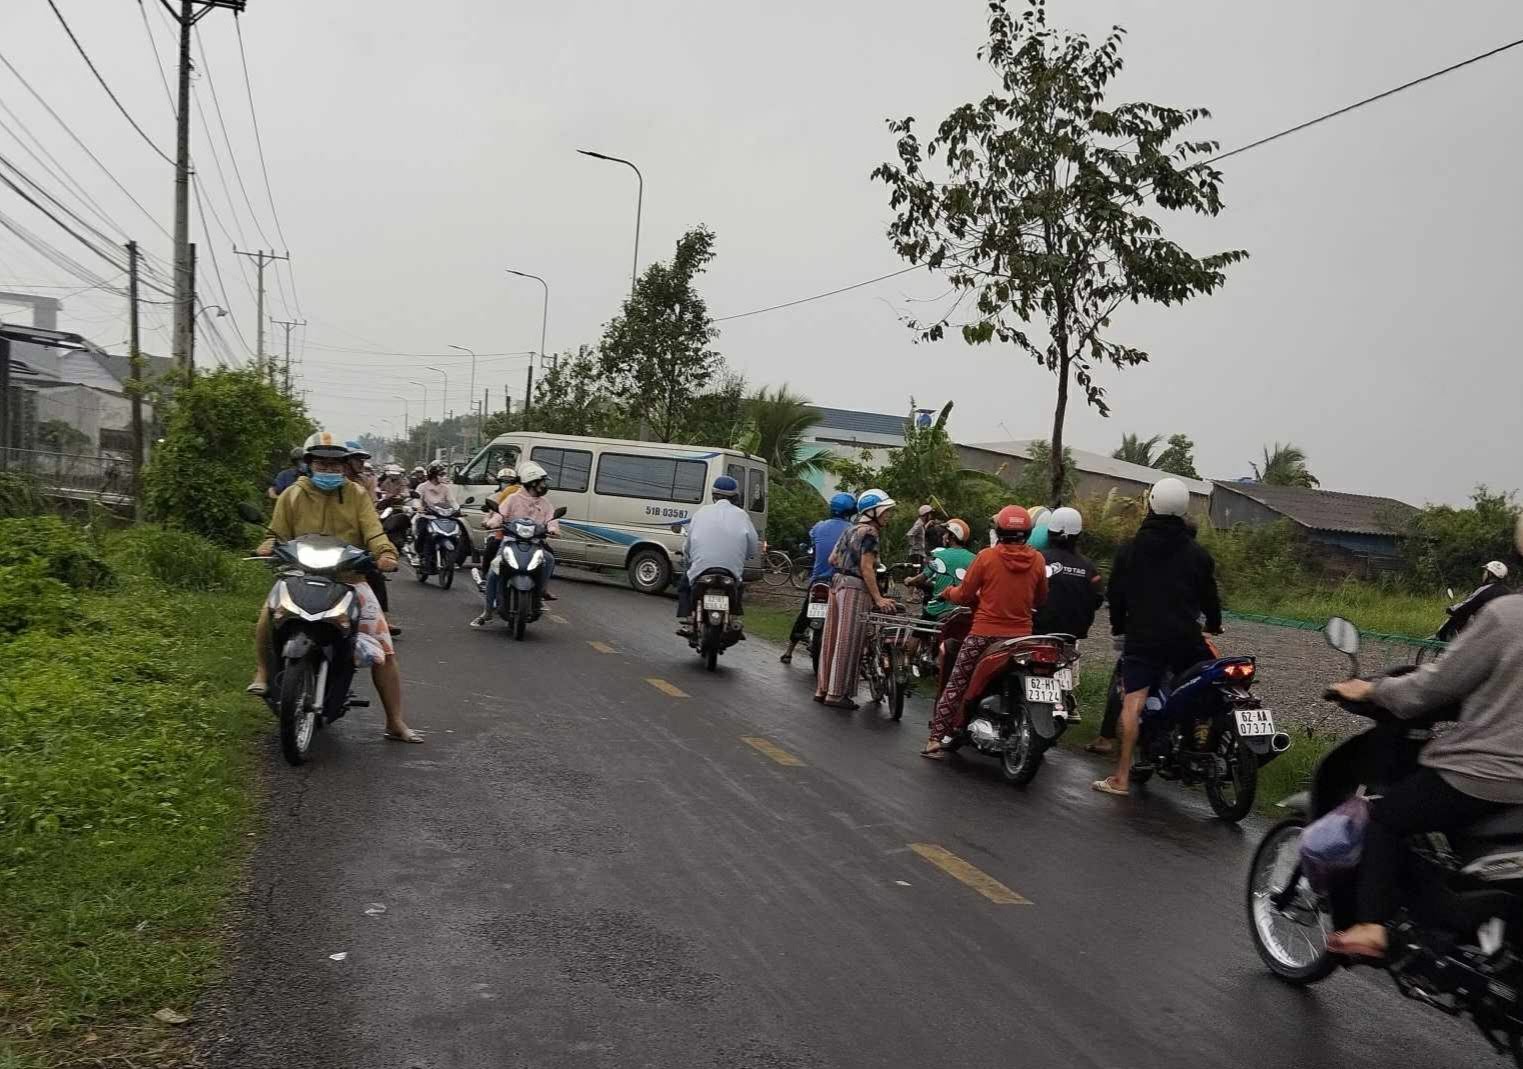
818, 610
716, 602
1043, 689
1065, 678
1255, 721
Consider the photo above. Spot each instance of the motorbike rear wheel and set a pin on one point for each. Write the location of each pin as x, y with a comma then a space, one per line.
1232, 797
896, 682
1021, 760
872, 672
1292, 941
298, 709
711, 658
814, 650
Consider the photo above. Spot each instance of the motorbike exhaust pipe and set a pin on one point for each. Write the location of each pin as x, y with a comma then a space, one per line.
1279, 742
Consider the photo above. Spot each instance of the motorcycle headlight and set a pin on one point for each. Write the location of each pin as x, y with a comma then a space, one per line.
523, 529
537, 559
319, 559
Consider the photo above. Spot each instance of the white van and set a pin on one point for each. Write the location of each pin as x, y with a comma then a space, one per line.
621, 497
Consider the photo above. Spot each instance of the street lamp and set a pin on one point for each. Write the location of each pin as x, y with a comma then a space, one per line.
639, 202
544, 318
212, 308
428, 436
406, 420
443, 399
472, 394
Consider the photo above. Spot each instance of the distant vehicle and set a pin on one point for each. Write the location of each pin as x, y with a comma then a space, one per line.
621, 497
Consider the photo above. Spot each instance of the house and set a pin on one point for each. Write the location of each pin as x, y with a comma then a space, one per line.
844, 432
1094, 474
1349, 528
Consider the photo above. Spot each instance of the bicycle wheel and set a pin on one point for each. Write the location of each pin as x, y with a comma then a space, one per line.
776, 568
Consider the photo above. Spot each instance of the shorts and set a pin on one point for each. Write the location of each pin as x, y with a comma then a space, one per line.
373, 620
1144, 671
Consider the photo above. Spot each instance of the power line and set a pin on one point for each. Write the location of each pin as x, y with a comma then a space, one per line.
1214, 159
56, 171
259, 144
91, 64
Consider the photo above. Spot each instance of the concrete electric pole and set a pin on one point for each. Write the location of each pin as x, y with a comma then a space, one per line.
262, 259
288, 324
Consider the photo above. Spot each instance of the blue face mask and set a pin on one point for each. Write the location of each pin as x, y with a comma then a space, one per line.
327, 480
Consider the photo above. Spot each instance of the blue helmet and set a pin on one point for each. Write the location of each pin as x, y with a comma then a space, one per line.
843, 504
873, 503
724, 486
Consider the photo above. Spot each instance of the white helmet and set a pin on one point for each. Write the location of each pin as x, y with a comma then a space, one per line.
873, 503
1168, 498
507, 475
1065, 521
1496, 569
530, 472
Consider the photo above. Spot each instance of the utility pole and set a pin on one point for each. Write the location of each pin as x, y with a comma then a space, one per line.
135, 363
529, 389
190, 342
191, 12
288, 324
261, 259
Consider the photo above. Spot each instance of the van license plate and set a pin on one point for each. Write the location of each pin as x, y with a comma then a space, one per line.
716, 602
818, 610
1254, 721
1043, 689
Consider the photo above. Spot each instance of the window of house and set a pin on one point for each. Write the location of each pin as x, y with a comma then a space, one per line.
568, 468
661, 478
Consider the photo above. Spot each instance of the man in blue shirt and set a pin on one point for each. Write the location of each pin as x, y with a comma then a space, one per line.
287, 476
823, 536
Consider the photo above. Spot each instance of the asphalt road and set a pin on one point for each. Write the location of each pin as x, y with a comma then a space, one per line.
606, 856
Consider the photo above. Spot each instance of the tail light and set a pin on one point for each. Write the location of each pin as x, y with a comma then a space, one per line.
1040, 660
819, 592
1239, 672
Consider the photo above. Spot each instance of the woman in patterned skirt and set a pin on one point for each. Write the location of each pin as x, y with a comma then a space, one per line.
853, 591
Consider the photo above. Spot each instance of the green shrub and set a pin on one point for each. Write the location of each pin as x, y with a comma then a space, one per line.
178, 559
30, 598
1265, 561
64, 550
794, 508
1447, 546
20, 495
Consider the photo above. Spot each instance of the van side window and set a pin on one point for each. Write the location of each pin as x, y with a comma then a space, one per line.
736, 472
568, 468
485, 467
661, 478
757, 490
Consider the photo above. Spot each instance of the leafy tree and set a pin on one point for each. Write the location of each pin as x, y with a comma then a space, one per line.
1285, 466
793, 508
226, 434
776, 421
717, 416
1033, 486
1136, 449
656, 354
573, 398
1178, 458
1035, 205
1448, 546
58, 436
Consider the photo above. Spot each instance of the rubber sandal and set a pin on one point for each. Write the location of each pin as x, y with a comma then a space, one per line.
1094, 747
844, 703
820, 698
258, 690
1108, 786
411, 736
786, 658
938, 754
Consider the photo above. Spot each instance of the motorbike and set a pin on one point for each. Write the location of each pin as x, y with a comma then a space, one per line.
716, 612
1206, 727
1021, 697
444, 535
314, 618
1456, 942
396, 521
520, 568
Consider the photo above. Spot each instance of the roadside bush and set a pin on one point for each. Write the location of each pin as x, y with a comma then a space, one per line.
64, 551
795, 507
1448, 546
20, 495
178, 559
30, 598
1265, 562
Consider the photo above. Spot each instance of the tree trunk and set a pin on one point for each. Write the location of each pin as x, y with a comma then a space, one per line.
1058, 471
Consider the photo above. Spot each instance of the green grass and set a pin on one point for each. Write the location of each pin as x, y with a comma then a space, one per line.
1371, 607
125, 763
769, 621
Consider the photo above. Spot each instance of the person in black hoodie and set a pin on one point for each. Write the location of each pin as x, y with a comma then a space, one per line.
1162, 583
1493, 586
1074, 587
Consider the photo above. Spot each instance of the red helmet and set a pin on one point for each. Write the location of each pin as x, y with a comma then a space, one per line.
1013, 522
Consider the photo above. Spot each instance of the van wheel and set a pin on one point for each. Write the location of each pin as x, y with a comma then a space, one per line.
649, 571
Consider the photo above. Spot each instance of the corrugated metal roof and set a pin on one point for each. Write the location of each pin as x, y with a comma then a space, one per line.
1097, 464
1328, 510
853, 422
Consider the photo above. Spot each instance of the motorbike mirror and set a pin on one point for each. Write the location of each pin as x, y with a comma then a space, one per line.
1342, 636
251, 512
560, 512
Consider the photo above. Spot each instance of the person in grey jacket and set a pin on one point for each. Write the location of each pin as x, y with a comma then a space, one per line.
1468, 771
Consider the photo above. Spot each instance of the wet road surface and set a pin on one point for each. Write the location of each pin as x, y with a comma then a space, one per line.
606, 856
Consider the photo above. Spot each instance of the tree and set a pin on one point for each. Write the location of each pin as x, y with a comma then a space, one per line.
1285, 466
1032, 486
573, 398
655, 355
58, 436
776, 421
1446, 545
1178, 458
717, 416
1138, 450
1035, 206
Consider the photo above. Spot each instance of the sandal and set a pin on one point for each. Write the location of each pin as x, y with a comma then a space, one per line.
786, 658
258, 690
1095, 746
1108, 785
934, 750
1337, 943
844, 703
820, 698
408, 736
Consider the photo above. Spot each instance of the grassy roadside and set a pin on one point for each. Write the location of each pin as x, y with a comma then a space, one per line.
125, 762
1370, 607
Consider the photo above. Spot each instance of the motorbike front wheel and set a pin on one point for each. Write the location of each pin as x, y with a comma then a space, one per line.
896, 682
298, 709
518, 613
447, 576
1023, 753
1231, 795
1291, 940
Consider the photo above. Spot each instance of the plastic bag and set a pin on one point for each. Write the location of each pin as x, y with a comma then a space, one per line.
367, 650
1332, 845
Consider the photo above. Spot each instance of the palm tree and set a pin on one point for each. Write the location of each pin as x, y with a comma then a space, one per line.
776, 423
1285, 466
1138, 450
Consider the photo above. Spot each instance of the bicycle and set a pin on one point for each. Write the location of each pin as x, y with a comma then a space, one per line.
780, 569
886, 664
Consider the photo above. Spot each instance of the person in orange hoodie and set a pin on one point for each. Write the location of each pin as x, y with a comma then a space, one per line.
1007, 583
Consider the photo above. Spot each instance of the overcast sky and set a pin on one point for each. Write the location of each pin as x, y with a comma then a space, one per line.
417, 150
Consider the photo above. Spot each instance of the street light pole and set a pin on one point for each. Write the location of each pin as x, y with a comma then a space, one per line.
544, 317
428, 436
472, 394
443, 400
406, 421
639, 205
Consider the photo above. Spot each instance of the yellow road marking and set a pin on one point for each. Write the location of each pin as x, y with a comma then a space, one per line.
777, 753
601, 647
666, 688
974, 877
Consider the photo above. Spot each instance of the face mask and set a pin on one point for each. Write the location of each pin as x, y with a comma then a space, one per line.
328, 481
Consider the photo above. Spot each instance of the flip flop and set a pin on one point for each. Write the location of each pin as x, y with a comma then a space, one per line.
786, 658
844, 703
1108, 786
938, 754
820, 698
1360, 951
258, 690
1094, 747
411, 736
